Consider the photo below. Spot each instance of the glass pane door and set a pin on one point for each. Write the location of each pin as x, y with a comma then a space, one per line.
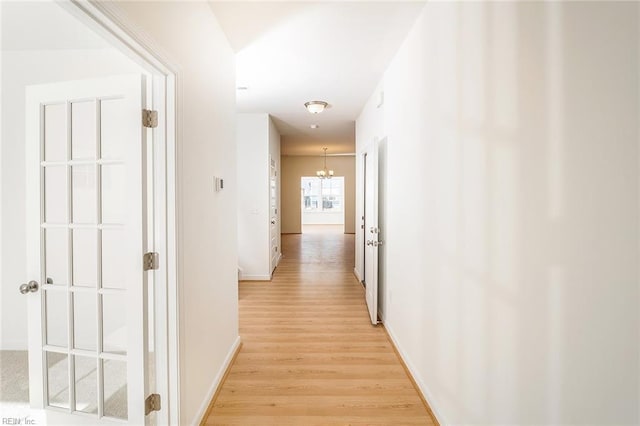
83, 242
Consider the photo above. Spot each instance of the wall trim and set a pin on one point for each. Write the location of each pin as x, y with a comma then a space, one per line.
255, 278
357, 274
218, 381
420, 386
14, 345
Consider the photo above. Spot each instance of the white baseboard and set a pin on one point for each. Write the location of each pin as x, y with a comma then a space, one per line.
255, 278
14, 345
355, 272
421, 385
217, 381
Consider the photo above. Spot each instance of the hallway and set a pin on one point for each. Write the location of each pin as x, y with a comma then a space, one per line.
310, 355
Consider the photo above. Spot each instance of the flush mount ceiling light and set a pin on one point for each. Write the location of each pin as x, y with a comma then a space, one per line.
325, 173
315, 107
314, 126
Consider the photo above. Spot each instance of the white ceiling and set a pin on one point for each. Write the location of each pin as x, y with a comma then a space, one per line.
292, 52
43, 25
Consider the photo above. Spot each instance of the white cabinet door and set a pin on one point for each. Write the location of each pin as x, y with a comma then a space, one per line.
371, 230
86, 238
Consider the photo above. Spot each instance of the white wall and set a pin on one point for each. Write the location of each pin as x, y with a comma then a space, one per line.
258, 140
207, 232
252, 132
512, 210
21, 68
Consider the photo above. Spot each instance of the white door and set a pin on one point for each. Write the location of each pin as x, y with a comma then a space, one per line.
86, 239
371, 230
273, 213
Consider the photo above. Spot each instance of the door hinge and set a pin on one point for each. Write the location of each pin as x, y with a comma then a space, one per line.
150, 261
149, 118
152, 403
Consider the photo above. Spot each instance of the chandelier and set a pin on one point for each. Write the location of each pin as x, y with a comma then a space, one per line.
325, 173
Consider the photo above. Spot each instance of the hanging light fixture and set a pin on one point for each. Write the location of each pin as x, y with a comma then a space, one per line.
315, 107
325, 173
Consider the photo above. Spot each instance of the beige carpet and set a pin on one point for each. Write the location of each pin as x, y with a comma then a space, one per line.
14, 385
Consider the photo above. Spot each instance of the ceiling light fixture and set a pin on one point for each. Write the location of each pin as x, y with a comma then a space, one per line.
325, 173
314, 126
315, 107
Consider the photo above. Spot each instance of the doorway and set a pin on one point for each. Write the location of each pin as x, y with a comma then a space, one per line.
77, 363
322, 208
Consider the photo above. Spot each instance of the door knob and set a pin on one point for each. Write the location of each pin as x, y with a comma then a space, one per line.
30, 287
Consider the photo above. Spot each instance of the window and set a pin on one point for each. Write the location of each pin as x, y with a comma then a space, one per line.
322, 195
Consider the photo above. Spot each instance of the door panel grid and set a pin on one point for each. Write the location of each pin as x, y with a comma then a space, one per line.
84, 330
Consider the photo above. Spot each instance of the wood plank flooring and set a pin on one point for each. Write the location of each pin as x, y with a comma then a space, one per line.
310, 356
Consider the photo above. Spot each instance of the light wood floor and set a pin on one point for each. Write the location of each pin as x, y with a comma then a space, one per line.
310, 355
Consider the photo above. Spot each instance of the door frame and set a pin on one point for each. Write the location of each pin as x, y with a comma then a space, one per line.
273, 168
107, 20
370, 149
361, 234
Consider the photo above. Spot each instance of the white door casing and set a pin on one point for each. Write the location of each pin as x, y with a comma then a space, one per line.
273, 215
86, 235
371, 229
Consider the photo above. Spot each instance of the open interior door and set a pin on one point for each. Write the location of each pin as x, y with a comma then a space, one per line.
371, 230
87, 289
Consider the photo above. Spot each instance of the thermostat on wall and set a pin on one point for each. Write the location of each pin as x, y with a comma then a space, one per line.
219, 184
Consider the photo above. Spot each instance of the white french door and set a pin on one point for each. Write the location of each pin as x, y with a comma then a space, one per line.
86, 228
371, 229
